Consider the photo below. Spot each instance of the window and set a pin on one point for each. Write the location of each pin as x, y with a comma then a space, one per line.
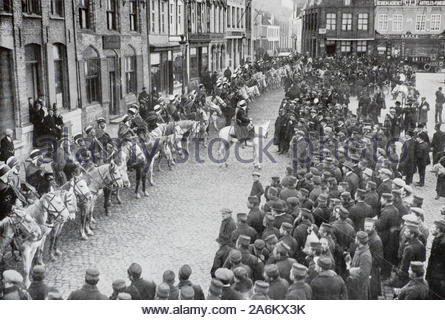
410, 2
60, 75
33, 70
179, 18
163, 17
7, 89
31, 7
154, 16
84, 14
57, 8
133, 9
92, 80
155, 72
229, 17
331, 21
383, 22
363, 21
347, 2
362, 46
233, 18
237, 17
209, 18
345, 46
420, 22
397, 22
435, 22
6, 6
346, 22
111, 14
172, 19
130, 74
199, 17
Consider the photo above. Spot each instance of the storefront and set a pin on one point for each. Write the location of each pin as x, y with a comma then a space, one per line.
198, 57
166, 70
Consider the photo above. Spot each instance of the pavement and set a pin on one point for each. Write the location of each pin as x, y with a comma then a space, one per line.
178, 222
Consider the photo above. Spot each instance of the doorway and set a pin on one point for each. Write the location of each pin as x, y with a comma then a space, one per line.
114, 108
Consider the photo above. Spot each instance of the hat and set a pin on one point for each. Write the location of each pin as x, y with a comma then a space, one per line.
123, 296
287, 226
244, 240
315, 244
324, 263
12, 162
299, 269
135, 269
256, 173
282, 247
386, 172
368, 172
399, 182
12, 276
418, 199
101, 120
4, 170
157, 108
88, 129
242, 216
410, 218
132, 110
259, 244
372, 184
241, 103
187, 293
276, 178
417, 267
362, 237
271, 270
240, 272
317, 180
216, 287
35, 153
306, 213
270, 238
343, 211
387, 196
304, 191
118, 284
38, 272
326, 226
278, 207
418, 211
412, 225
168, 276
292, 201
185, 271
235, 256
225, 211
269, 217
163, 290
410, 132
370, 220
224, 275
253, 199
396, 192
349, 165
261, 286
346, 195
360, 192
92, 274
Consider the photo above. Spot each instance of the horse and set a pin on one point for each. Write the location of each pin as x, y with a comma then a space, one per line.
188, 129
84, 200
165, 134
69, 200
400, 93
227, 134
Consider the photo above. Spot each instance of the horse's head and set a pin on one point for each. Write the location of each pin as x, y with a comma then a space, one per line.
70, 200
119, 171
55, 207
81, 190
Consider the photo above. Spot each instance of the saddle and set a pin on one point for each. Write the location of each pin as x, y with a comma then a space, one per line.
25, 226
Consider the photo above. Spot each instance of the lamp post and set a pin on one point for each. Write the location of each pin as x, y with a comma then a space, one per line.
183, 44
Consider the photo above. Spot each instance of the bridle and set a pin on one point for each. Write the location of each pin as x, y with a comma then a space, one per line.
53, 211
113, 181
79, 193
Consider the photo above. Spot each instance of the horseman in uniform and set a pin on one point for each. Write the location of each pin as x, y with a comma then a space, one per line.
34, 170
242, 122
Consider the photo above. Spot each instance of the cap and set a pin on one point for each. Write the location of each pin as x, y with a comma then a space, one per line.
253, 199
224, 275
372, 184
292, 201
92, 274
163, 290
399, 182
187, 293
346, 195
299, 269
387, 196
261, 286
368, 172
168, 276
271, 238
185, 271
240, 272
417, 198
362, 237
259, 244
242, 216
226, 211
282, 247
396, 192
36, 153
324, 263
12, 162
135, 268
418, 211
12, 276
385, 172
4, 169
235, 256
326, 226
88, 129
244, 240
123, 296
271, 270
216, 287
304, 191
417, 267
277, 206
370, 220
118, 284
360, 192
101, 120
315, 244
132, 110
38, 272
287, 226
256, 173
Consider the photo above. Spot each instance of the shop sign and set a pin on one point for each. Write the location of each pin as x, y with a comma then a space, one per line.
389, 3
111, 42
432, 3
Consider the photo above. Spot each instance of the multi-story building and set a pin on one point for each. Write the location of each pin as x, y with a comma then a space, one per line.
338, 27
410, 28
217, 49
295, 26
235, 32
248, 43
165, 22
37, 58
266, 35
285, 36
111, 55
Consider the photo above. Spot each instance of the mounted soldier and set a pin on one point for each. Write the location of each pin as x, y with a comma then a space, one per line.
243, 124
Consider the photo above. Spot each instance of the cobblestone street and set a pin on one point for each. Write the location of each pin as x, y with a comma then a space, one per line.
178, 223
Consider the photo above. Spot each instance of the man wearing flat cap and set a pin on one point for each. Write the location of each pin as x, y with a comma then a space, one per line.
226, 277
255, 216
146, 288
38, 289
299, 289
386, 184
13, 288
260, 291
277, 286
359, 269
89, 291
345, 235
119, 286
215, 290
289, 189
414, 250
388, 228
243, 228
360, 211
327, 285
417, 288
280, 256
435, 273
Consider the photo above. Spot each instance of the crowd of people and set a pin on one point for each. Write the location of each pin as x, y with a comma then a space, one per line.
342, 222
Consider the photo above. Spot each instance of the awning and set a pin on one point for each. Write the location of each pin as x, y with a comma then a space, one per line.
349, 39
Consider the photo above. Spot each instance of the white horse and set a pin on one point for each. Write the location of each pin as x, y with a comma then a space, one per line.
400, 93
228, 138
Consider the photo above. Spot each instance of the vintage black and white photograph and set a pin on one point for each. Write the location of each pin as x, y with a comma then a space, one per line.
222, 150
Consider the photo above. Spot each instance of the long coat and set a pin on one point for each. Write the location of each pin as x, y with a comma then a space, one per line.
416, 289
435, 272
376, 248
87, 292
358, 281
299, 291
407, 164
278, 288
387, 227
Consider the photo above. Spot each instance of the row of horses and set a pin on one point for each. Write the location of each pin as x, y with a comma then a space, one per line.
39, 225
